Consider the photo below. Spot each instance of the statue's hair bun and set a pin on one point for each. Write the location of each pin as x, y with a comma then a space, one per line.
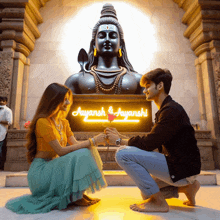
108, 16
108, 11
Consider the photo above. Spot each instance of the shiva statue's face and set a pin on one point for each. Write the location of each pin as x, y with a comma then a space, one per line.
107, 41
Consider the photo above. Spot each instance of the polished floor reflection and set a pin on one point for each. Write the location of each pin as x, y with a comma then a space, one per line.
114, 205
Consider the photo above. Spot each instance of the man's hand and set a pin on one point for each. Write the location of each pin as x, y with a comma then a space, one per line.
111, 130
112, 135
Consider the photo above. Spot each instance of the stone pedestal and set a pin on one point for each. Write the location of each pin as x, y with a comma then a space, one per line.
16, 153
90, 113
205, 144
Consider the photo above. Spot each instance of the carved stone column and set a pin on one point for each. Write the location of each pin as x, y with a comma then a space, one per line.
203, 31
18, 33
24, 94
207, 92
215, 55
19, 88
208, 72
6, 69
201, 96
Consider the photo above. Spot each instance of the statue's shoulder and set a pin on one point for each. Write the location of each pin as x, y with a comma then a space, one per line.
72, 81
73, 78
139, 89
136, 75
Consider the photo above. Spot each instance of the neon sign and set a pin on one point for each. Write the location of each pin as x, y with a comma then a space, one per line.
100, 115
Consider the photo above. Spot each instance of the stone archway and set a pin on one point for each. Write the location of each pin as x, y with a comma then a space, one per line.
19, 20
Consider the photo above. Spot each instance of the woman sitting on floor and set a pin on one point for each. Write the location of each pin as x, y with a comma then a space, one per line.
59, 174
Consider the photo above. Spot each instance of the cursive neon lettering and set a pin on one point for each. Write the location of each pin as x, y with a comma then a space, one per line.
121, 116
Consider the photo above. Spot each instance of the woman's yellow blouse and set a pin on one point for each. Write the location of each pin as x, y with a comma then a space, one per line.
46, 132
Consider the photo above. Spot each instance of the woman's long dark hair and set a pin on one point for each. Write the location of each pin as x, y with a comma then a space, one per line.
52, 97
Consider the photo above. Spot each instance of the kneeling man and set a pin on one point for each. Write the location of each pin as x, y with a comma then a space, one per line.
178, 161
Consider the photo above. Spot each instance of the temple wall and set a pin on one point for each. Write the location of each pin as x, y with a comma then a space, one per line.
50, 62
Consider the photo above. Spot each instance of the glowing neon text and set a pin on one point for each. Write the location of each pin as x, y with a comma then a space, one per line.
121, 116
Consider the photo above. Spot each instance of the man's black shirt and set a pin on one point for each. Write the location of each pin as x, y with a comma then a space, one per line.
174, 136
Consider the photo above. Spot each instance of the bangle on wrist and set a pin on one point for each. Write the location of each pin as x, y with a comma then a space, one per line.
93, 140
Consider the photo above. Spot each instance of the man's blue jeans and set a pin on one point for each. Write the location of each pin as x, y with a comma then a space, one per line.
148, 170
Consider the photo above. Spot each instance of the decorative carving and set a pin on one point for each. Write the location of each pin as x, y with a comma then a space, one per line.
6, 68
18, 37
20, 23
216, 63
216, 69
85, 135
21, 134
199, 134
12, 13
16, 134
16, 159
203, 134
23, 49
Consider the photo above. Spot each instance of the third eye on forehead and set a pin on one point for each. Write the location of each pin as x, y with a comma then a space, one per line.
105, 27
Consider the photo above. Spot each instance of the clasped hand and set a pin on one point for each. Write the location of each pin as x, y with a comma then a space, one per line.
109, 136
112, 135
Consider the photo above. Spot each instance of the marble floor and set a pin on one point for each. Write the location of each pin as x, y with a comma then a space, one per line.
114, 205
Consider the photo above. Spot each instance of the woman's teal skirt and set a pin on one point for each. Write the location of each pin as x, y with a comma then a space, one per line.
53, 182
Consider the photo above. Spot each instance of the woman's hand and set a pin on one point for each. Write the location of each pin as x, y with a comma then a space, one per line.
100, 139
111, 130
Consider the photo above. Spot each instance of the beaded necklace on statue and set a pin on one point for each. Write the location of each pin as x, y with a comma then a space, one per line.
59, 128
100, 85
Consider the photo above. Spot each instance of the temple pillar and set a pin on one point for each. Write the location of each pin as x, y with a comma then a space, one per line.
24, 94
208, 76
19, 89
202, 18
201, 96
215, 55
14, 78
6, 70
209, 92
18, 33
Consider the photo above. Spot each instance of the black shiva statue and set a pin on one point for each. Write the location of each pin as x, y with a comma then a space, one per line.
106, 69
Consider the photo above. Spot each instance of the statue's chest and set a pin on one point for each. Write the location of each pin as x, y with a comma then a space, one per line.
125, 84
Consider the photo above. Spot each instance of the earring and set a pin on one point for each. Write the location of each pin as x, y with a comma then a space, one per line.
95, 53
119, 53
